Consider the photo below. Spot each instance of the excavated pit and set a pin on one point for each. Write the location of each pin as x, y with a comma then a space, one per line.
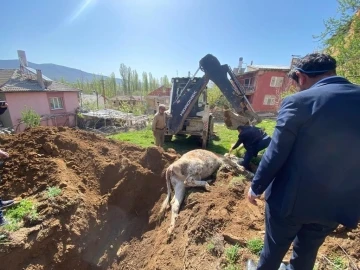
106, 214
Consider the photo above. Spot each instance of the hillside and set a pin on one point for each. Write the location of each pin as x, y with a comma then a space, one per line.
55, 72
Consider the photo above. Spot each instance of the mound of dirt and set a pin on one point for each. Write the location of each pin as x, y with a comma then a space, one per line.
106, 214
109, 191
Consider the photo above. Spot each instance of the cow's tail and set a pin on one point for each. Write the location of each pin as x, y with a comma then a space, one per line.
166, 202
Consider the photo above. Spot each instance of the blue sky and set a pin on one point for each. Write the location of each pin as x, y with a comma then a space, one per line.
161, 36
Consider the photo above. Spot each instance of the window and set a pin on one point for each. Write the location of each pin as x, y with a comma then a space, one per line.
269, 100
276, 81
247, 81
56, 103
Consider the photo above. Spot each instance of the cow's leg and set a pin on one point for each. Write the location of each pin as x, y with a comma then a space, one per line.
179, 190
195, 181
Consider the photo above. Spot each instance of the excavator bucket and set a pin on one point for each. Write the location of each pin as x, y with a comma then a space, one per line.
233, 120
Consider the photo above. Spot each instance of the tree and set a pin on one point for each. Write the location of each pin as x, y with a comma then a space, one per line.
129, 85
341, 38
165, 81
145, 83
124, 78
216, 98
151, 80
112, 85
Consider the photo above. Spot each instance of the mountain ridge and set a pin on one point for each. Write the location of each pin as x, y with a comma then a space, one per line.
55, 72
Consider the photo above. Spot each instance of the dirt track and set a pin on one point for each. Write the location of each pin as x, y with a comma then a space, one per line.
106, 216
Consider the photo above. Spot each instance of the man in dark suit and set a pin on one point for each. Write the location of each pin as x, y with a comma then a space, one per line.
254, 140
311, 169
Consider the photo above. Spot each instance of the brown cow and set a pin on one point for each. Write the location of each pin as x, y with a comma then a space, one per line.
189, 171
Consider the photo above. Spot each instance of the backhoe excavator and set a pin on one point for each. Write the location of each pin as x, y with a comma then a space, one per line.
189, 112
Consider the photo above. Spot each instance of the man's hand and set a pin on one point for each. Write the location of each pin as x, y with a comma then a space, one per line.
252, 197
3, 154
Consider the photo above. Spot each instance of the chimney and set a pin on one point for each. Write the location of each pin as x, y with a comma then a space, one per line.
251, 63
22, 60
240, 63
294, 59
40, 78
189, 74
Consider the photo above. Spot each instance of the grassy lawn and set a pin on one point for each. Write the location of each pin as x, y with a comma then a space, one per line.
223, 140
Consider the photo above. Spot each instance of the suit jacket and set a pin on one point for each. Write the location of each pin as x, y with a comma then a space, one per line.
250, 137
311, 169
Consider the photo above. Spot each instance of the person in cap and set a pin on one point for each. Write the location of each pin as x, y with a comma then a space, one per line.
310, 171
159, 125
253, 139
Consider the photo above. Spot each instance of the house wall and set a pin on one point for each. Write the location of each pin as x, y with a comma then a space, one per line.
152, 102
39, 101
263, 89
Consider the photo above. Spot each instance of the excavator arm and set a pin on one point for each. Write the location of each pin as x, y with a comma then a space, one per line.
232, 90
182, 105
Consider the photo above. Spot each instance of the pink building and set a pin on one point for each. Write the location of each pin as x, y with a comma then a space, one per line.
55, 102
264, 85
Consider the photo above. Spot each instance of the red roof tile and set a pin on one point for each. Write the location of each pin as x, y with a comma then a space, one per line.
162, 91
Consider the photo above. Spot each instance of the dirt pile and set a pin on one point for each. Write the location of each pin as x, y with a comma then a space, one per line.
106, 214
109, 190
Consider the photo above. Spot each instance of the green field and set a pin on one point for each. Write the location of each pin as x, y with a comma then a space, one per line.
221, 142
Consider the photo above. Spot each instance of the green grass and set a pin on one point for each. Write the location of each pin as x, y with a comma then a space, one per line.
232, 267
255, 246
210, 247
16, 215
339, 263
221, 144
237, 180
52, 192
268, 125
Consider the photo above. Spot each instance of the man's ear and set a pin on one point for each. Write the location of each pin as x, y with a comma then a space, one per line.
302, 78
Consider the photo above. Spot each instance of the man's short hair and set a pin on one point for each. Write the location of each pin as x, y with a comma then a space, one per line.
313, 64
240, 127
162, 106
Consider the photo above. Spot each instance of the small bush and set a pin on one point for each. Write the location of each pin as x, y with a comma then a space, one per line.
232, 254
255, 246
30, 117
215, 245
52, 192
25, 210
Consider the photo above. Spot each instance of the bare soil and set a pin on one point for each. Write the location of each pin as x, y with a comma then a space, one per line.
106, 216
